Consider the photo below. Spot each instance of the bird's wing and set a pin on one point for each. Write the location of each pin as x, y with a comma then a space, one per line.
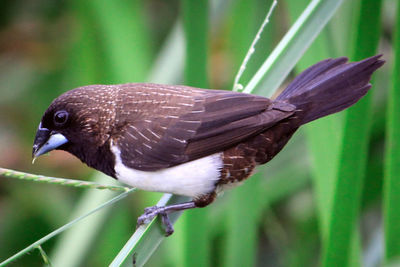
201, 125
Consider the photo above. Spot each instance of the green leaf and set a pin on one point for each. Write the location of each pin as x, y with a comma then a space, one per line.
292, 46
352, 158
123, 38
146, 238
324, 154
392, 157
195, 24
64, 227
244, 210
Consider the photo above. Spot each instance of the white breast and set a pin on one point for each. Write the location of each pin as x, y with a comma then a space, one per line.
191, 179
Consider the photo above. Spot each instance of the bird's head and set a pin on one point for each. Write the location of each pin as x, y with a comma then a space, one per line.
79, 121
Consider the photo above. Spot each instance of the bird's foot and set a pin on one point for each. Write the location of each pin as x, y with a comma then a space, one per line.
163, 211
151, 212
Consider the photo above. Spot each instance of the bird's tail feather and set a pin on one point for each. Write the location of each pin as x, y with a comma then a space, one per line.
330, 86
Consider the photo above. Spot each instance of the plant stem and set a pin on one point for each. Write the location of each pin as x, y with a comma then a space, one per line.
43, 253
59, 181
236, 85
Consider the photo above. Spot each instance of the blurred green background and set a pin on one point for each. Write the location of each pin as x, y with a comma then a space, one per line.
280, 217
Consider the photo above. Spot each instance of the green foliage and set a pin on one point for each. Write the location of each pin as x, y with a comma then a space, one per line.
316, 203
392, 162
348, 184
195, 242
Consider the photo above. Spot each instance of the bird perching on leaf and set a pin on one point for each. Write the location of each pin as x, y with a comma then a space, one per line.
190, 141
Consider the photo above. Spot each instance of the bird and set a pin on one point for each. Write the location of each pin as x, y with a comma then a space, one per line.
191, 141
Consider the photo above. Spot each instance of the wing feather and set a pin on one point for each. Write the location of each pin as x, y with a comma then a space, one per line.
196, 124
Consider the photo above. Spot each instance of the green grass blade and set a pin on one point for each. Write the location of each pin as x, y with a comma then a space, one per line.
122, 32
392, 157
73, 246
172, 53
146, 238
324, 154
242, 223
293, 45
64, 227
352, 162
45, 258
243, 212
59, 181
195, 25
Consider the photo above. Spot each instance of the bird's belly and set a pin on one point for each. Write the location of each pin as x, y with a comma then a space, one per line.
194, 178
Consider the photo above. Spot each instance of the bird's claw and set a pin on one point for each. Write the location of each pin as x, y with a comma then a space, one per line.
150, 213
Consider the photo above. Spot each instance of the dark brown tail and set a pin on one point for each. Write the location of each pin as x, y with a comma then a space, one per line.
330, 86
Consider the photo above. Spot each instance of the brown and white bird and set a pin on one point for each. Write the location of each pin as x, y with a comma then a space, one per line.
190, 141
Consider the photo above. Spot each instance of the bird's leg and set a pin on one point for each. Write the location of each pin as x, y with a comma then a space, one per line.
163, 211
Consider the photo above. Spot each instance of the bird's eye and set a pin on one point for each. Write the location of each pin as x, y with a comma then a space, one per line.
60, 117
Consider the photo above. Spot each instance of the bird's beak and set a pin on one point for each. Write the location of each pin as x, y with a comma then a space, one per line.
46, 141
